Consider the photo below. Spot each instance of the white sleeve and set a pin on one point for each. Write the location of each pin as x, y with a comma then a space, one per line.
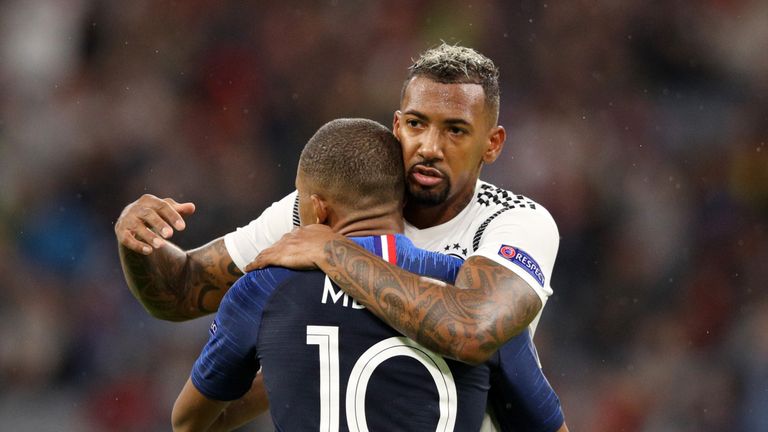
246, 242
525, 242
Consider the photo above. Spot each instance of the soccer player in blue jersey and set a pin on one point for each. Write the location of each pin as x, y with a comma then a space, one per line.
327, 361
448, 127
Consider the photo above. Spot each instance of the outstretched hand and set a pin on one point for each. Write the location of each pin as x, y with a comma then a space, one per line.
300, 249
145, 223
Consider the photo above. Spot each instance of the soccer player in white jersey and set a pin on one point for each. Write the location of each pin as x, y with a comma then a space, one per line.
448, 127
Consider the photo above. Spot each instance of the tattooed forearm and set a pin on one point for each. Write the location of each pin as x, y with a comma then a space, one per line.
147, 279
174, 285
210, 274
469, 321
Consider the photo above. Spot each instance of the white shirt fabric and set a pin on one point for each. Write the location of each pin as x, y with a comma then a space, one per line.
509, 229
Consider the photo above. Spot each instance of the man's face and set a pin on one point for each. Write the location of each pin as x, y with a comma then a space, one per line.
445, 131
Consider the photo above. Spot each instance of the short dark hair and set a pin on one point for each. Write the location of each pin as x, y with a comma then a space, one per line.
358, 162
454, 64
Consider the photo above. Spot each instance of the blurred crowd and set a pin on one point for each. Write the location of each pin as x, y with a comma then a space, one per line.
641, 125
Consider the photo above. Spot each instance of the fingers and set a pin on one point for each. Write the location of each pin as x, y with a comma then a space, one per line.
258, 263
141, 240
128, 240
157, 220
279, 254
149, 237
300, 249
172, 213
145, 223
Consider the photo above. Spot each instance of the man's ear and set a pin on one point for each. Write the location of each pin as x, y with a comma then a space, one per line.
396, 124
497, 137
320, 206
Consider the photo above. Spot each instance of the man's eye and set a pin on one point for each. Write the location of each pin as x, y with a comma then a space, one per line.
413, 122
457, 131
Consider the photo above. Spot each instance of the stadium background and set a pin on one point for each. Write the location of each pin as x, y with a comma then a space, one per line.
641, 125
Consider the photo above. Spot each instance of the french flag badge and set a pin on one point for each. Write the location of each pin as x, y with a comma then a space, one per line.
384, 246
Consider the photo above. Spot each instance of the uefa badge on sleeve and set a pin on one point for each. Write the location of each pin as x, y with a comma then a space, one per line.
522, 260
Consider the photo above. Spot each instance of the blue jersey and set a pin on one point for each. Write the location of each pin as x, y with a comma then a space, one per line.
330, 363
520, 396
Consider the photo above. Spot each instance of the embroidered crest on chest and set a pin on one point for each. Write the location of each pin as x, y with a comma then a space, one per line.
455, 249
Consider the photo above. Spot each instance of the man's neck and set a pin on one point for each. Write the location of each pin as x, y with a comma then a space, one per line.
369, 226
426, 216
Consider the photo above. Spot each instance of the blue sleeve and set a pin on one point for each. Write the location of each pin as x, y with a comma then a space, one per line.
520, 395
431, 264
228, 363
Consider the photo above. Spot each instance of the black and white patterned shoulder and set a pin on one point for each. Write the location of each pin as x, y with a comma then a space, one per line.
490, 195
295, 214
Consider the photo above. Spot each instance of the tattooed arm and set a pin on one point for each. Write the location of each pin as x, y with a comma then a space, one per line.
468, 321
170, 283
467, 324
175, 285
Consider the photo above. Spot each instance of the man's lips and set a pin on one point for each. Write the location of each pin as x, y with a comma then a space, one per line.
426, 176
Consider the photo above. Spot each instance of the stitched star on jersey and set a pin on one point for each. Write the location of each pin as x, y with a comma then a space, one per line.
447, 248
456, 246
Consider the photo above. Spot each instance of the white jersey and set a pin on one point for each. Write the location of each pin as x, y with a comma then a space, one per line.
508, 229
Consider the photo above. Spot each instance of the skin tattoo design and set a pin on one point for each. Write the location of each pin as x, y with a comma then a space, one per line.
442, 314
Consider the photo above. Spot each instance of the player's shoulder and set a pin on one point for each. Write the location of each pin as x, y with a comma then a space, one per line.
492, 197
267, 276
260, 284
496, 206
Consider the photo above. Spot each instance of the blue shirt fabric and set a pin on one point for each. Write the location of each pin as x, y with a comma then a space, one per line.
521, 397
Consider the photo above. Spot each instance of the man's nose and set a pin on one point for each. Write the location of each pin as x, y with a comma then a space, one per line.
431, 146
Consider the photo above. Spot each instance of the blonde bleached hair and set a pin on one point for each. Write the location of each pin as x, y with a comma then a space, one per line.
454, 64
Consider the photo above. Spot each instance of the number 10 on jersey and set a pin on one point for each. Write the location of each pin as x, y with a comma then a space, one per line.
327, 340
